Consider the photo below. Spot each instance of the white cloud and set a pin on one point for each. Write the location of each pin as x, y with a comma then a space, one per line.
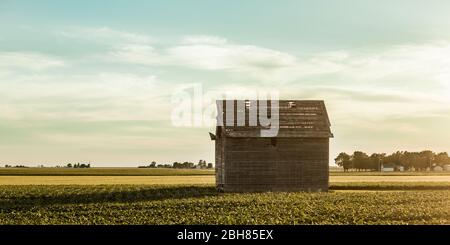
419, 65
105, 34
138, 54
425, 60
28, 61
444, 80
207, 53
203, 39
99, 96
230, 57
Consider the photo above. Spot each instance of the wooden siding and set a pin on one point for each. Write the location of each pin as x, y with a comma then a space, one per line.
292, 164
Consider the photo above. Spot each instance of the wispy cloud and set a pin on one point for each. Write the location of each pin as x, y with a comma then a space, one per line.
137, 54
203, 39
234, 57
418, 63
28, 61
203, 53
105, 34
397, 77
87, 97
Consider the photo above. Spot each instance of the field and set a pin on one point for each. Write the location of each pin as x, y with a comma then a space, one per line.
102, 172
131, 204
189, 179
406, 173
169, 172
106, 180
182, 198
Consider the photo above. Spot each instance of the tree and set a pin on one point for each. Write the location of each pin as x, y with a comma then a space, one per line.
343, 160
395, 158
202, 164
442, 159
406, 159
69, 165
360, 160
210, 165
419, 161
188, 165
429, 156
153, 164
183, 165
376, 159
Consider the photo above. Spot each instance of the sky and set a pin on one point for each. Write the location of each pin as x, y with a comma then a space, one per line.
93, 81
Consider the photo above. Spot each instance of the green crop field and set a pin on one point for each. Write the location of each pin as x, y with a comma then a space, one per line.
169, 196
422, 203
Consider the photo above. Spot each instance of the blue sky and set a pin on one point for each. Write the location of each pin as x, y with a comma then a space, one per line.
92, 80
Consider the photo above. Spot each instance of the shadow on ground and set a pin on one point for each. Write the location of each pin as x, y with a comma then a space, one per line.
42, 196
52, 197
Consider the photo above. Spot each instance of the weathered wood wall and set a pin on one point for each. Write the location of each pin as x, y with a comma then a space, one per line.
275, 164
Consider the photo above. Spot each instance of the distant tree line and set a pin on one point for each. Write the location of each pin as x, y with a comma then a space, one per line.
418, 161
16, 166
180, 165
78, 165
69, 165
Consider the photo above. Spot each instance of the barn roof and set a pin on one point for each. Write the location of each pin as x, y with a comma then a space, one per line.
297, 118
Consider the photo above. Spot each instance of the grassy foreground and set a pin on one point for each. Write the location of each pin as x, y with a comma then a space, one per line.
201, 204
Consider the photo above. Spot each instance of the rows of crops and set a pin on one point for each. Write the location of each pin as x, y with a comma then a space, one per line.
389, 186
132, 204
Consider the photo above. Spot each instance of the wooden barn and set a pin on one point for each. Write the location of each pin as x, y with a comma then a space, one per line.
296, 159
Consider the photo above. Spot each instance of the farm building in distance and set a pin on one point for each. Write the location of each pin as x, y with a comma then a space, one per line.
296, 159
